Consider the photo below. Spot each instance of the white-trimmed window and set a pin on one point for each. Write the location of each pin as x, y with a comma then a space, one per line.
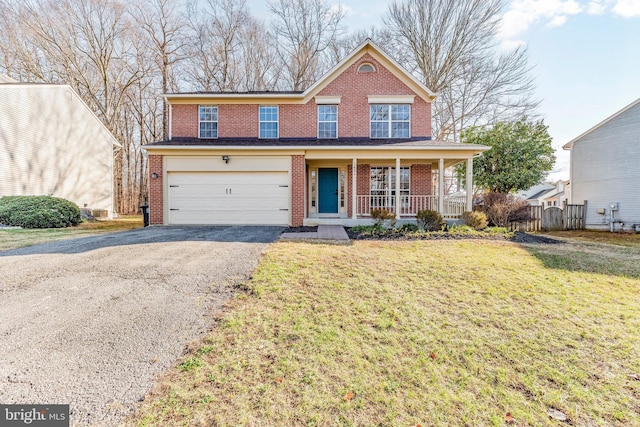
383, 185
268, 121
390, 121
208, 121
327, 121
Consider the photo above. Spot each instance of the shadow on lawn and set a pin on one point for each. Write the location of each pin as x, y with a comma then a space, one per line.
153, 235
589, 258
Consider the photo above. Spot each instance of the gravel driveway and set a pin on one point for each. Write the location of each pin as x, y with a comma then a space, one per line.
92, 322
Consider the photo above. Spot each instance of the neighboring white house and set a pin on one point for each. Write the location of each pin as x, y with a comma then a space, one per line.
536, 194
605, 170
51, 143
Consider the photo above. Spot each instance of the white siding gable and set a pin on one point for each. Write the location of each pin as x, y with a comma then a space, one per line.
52, 144
605, 168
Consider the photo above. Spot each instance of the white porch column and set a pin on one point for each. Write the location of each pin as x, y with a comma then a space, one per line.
469, 184
441, 186
354, 191
398, 188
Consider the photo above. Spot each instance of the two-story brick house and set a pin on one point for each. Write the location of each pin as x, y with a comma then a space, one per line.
288, 158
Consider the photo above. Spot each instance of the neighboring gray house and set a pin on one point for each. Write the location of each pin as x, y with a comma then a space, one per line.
51, 143
605, 170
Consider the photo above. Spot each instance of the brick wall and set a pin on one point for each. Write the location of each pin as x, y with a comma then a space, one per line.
421, 180
297, 190
156, 199
354, 87
237, 121
184, 120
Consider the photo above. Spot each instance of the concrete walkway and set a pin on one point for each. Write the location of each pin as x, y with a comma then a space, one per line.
325, 233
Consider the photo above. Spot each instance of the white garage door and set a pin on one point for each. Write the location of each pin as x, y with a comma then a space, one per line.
229, 198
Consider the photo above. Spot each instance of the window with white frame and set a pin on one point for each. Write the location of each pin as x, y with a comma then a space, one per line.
383, 186
327, 121
390, 121
268, 121
208, 121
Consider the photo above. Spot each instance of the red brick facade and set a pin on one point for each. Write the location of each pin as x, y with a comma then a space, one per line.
420, 176
156, 198
355, 88
298, 170
184, 120
301, 120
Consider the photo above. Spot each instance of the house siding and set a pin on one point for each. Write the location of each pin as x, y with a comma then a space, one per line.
604, 169
52, 144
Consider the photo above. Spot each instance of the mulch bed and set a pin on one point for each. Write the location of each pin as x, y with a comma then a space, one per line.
518, 237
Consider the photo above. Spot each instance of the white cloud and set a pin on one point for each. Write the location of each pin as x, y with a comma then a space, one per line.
597, 7
627, 8
557, 21
524, 13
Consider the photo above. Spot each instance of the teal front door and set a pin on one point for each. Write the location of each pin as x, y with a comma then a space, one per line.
328, 190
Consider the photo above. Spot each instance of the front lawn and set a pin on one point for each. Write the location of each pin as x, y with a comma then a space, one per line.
440, 333
12, 238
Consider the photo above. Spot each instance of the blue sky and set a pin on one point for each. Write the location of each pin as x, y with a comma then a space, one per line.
586, 57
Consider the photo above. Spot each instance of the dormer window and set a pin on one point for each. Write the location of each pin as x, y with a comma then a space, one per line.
366, 68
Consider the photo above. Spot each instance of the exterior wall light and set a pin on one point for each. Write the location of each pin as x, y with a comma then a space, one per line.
226, 159
154, 175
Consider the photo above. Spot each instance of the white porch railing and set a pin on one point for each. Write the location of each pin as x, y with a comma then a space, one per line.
410, 205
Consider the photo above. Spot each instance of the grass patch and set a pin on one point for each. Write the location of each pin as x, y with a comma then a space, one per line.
631, 240
443, 332
18, 238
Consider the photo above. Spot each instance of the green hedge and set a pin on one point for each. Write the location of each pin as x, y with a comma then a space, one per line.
38, 212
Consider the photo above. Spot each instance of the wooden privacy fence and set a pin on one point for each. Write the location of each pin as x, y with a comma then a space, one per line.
570, 217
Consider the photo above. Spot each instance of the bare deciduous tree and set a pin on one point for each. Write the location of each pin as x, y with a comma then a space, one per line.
165, 30
451, 45
305, 31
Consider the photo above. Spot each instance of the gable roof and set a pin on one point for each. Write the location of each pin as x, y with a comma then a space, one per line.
366, 47
6, 79
569, 145
63, 88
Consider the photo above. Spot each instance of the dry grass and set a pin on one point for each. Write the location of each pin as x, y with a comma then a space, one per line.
622, 239
431, 332
18, 238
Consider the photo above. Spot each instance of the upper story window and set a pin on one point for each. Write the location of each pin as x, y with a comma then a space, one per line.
327, 121
390, 121
366, 68
268, 121
208, 121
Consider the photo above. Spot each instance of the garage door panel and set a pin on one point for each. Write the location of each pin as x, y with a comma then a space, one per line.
229, 198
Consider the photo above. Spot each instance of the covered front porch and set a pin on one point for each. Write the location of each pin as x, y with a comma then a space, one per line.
403, 182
